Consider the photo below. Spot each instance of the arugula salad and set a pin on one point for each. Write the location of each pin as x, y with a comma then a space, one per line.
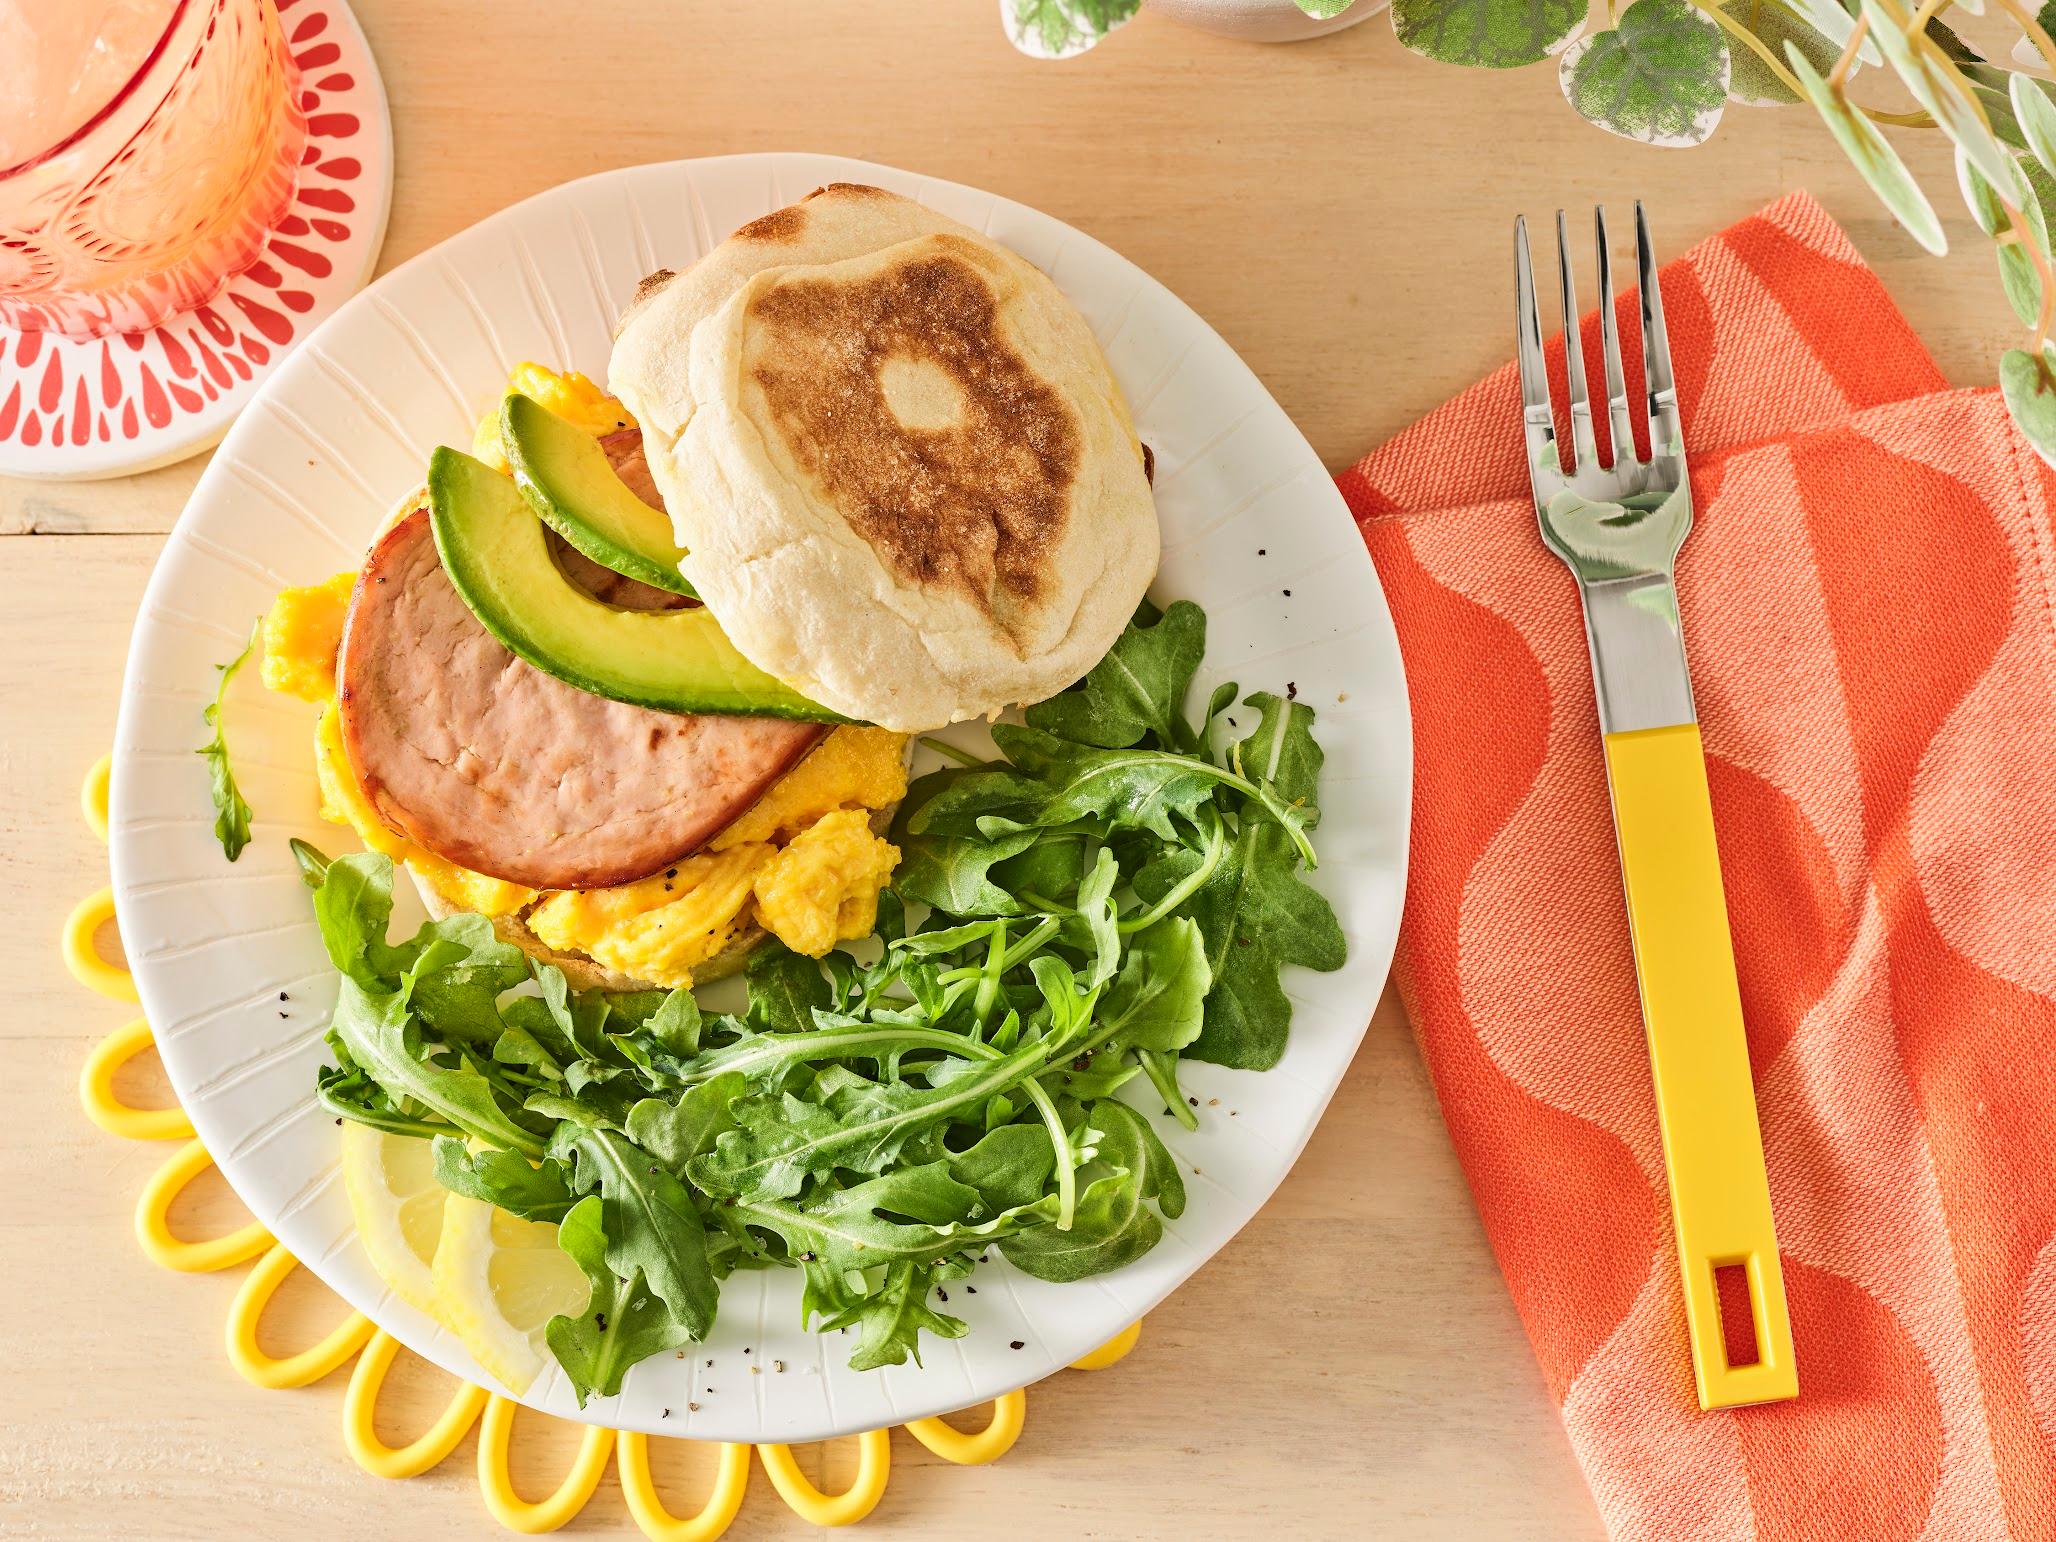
1116, 893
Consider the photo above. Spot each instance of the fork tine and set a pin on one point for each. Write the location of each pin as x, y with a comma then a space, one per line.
1536, 416
1574, 355
1664, 436
1622, 427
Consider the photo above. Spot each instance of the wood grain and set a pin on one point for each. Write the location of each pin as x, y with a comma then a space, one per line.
1340, 210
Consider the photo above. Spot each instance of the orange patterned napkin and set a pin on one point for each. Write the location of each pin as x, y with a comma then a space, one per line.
1868, 596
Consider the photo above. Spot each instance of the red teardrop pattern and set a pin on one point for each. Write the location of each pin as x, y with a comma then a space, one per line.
65, 393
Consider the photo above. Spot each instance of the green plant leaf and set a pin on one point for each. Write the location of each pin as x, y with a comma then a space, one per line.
2029, 386
535, 1191
1487, 34
1255, 913
1324, 10
1158, 1000
676, 1132
651, 1226
624, 1321
2036, 114
1660, 77
1138, 688
1872, 156
231, 813
1938, 86
1775, 24
890, 1318
779, 1141
785, 989
1059, 29
1115, 1224
2017, 272
1133, 789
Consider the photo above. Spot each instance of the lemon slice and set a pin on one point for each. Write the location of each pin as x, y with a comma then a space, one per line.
398, 1205
498, 1282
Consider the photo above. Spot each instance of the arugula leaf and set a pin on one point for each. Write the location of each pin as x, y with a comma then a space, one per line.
231, 813
624, 1321
951, 872
1255, 913
889, 1319
1138, 688
1158, 1001
534, 1191
675, 1133
779, 1141
652, 1229
384, 1039
1135, 789
1114, 1224
1008, 1167
785, 989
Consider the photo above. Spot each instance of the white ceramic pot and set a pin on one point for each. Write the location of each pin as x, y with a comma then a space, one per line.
1263, 21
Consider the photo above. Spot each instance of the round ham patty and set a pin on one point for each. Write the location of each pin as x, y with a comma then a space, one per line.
488, 762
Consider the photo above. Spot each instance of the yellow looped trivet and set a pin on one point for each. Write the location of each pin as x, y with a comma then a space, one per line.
1009, 1413
96, 1089
82, 955
153, 1226
360, 1417
639, 1488
375, 1349
1113, 1349
874, 1466
311, 1364
497, 1484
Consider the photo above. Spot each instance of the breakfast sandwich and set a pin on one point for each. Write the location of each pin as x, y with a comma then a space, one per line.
634, 678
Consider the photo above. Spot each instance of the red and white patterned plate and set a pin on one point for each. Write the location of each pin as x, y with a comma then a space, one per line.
79, 408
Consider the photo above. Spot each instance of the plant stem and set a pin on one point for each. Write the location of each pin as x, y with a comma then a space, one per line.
1838, 77
951, 752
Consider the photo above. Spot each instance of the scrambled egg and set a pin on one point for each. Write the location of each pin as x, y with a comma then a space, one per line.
802, 862
570, 395
658, 927
302, 631
824, 886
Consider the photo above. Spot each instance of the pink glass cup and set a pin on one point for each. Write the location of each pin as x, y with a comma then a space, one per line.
174, 132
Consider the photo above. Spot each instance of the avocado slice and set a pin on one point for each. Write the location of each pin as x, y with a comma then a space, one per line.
494, 550
564, 474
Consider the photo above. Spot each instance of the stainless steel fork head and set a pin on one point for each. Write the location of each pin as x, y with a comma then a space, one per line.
1617, 527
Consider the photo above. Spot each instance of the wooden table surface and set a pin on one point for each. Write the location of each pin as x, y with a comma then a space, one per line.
1350, 1366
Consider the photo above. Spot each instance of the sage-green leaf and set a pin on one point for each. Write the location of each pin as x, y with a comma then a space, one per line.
1937, 86
1487, 34
2017, 272
1660, 77
1751, 81
2029, 386
2036, 114
1872, 156
1324, 10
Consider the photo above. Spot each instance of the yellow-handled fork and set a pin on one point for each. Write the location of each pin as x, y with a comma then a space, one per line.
1618, 528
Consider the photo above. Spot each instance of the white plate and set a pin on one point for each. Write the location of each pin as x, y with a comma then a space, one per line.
342, 431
